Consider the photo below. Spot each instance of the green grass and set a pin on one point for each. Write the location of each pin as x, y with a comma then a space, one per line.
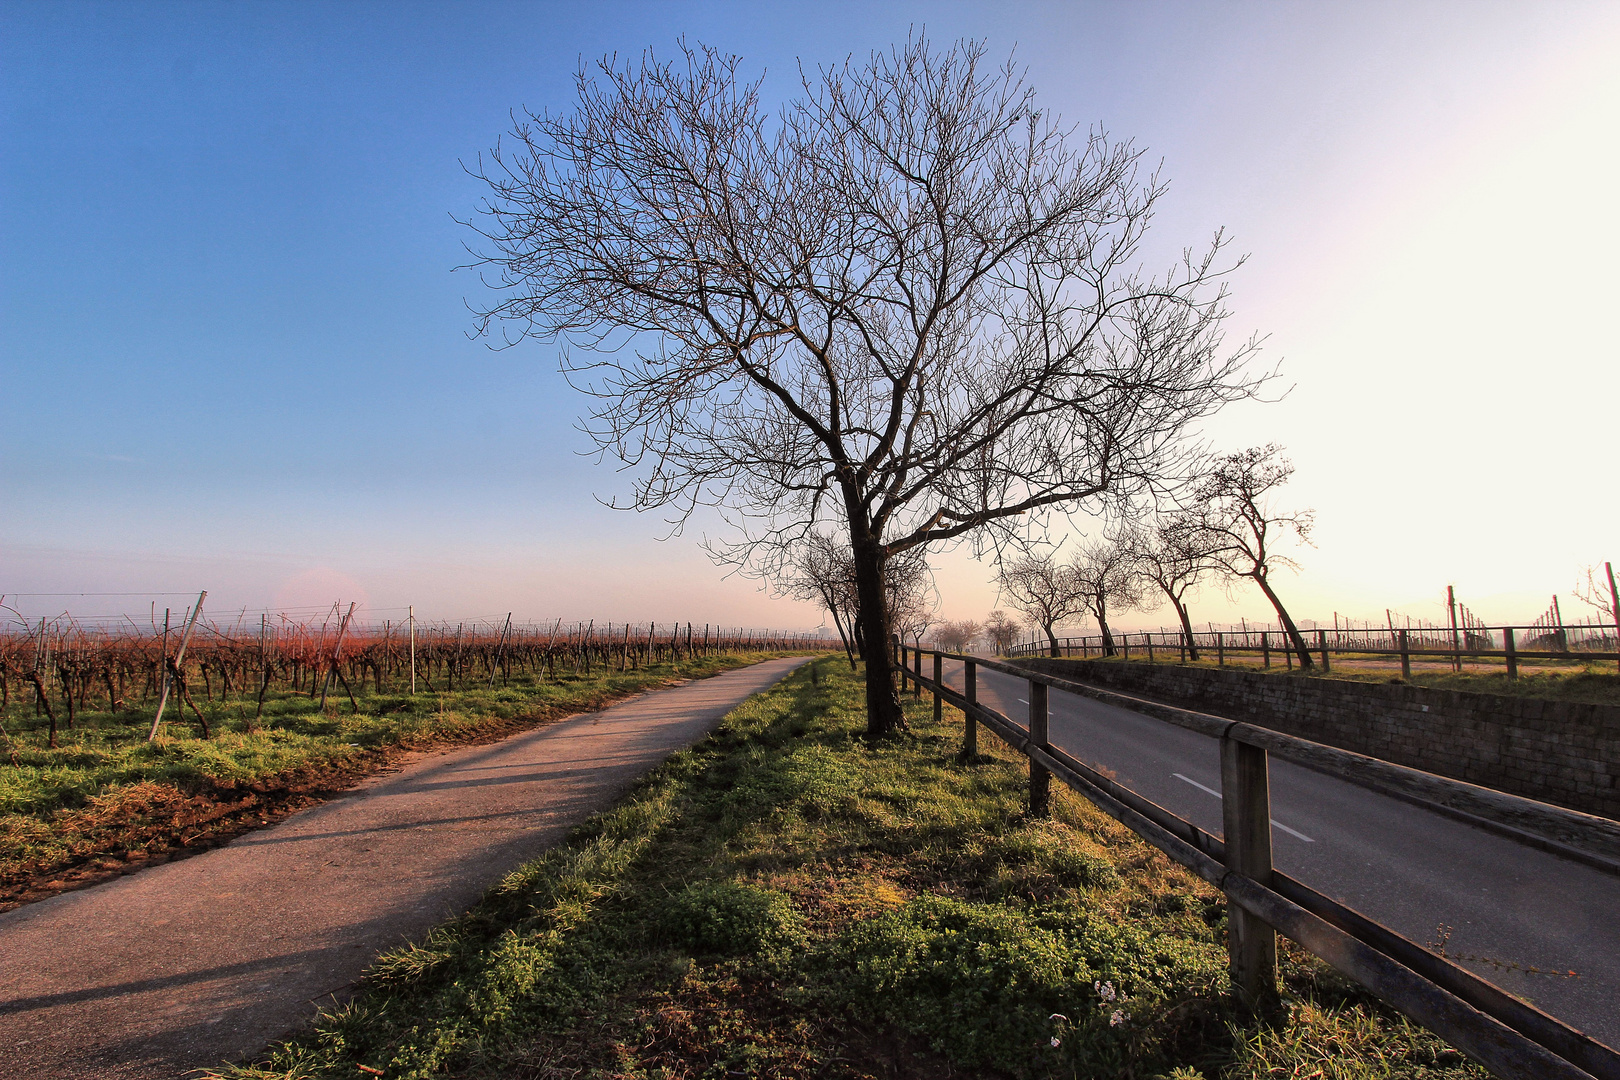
106, 790
787, 899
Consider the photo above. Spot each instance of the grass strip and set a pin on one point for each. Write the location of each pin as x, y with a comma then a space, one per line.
1593, 682
107, 800
788, 899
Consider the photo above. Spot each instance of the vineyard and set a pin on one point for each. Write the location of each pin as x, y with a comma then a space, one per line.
121, 744
66, 666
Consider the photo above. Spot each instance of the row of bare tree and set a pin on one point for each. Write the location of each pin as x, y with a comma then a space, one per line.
999, 630
1227, 527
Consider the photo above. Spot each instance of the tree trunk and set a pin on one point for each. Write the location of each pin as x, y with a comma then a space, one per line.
44, 699
67, 693
1186, 627
883, 714
112, 695
1295, 638
1051, 639
1102, 625
838, 623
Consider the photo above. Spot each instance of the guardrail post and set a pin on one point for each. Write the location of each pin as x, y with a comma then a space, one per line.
1220, 649
970, 690
1406, 656
1321, 642
1512, 655
1040, 781
939, 685
1246, 812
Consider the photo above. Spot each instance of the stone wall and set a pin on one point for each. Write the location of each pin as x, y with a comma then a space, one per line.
1560, 752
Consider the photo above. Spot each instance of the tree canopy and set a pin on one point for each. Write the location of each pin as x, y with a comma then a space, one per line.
908, 303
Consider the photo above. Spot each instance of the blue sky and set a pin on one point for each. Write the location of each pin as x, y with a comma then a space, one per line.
233, 353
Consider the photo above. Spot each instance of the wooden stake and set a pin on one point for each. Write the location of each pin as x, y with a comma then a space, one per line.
179, 658
939, 682
1614, 604
1040, 781
332, 668
499, 645
1246, 809
970, 687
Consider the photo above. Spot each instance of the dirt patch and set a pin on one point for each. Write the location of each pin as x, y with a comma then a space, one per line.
150, 823
734, 1025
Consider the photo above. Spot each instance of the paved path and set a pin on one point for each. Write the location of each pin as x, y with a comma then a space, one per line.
193, 962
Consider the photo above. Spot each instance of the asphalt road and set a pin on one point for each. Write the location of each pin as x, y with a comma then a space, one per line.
1509, 906
185, 965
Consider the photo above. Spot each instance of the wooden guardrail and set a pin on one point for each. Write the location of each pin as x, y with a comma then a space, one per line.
1513, 1039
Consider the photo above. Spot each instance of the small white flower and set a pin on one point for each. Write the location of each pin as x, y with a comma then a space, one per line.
1056, 1042
1105, 990
1117, 1018
1055, 1017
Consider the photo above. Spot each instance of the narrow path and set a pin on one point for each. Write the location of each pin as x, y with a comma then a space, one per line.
212, 958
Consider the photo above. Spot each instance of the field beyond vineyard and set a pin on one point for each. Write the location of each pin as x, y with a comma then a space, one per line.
84, 795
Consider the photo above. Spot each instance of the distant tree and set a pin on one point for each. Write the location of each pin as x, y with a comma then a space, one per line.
1002, 630
1044, 591
1107, 581
957, 636
907, 304
820, 571
1172, 554
912, 599
1242, 527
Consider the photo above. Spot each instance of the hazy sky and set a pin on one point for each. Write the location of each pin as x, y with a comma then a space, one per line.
233, 354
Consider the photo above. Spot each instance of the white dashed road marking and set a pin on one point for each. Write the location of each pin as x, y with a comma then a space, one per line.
1274, 821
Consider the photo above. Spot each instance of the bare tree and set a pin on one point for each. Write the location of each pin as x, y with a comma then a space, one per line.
821, 571
1002, 630
1044, 591
1605, 599
910, 594
1172, 554
1604, 596
1242, 528
957, 636
909, 303
1107, 581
